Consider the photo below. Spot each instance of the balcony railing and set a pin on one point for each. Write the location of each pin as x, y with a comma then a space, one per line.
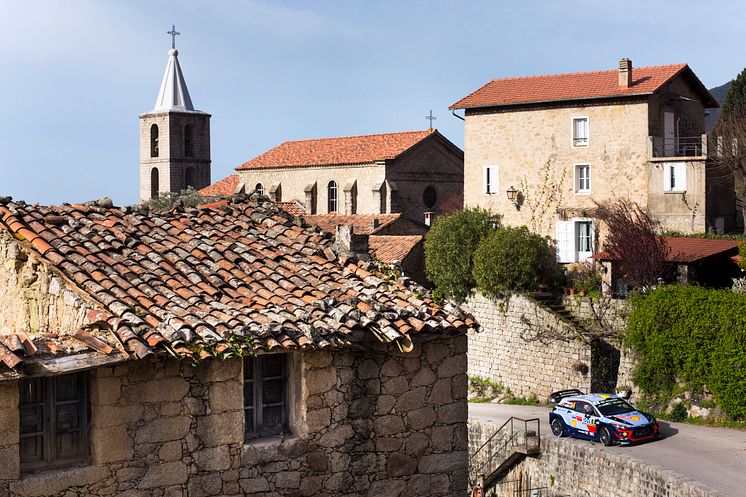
680, 146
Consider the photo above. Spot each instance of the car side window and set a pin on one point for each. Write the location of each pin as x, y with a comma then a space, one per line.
585, 408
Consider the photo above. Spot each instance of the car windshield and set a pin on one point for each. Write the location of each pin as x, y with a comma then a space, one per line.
613, 407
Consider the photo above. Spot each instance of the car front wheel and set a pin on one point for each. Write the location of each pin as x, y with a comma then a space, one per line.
558, 427
605, 436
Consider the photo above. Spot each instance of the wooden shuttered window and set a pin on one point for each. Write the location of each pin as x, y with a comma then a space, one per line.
265, 395
53, 421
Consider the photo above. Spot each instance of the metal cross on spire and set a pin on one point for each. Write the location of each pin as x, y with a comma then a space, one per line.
173, 34
431, 118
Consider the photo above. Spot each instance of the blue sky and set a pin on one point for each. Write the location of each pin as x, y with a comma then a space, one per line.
76, 74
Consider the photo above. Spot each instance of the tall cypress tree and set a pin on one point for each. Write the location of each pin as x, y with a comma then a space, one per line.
735, 99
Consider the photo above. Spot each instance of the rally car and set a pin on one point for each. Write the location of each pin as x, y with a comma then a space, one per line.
606, 418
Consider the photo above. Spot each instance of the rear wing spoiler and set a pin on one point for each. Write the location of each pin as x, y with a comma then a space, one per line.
555, 397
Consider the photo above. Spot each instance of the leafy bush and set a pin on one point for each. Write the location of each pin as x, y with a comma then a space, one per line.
513, 260
689, 337
450, 247
185, 198
585, 277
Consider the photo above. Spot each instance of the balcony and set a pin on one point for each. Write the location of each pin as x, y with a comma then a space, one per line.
680, 146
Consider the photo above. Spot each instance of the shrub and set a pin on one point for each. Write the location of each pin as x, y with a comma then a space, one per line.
691, 336
513, 260
450, 247
185, 198
585, 277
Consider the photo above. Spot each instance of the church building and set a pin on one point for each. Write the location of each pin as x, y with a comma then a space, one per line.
174, 138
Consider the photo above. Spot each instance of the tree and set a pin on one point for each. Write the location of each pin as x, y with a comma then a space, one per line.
728, 159
513, 260
450, 247
633, 241
185, 198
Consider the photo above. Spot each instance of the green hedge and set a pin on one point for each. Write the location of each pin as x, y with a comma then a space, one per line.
692, 335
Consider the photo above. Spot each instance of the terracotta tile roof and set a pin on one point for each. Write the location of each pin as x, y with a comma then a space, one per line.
689, 249
223, 188
685, 249
293, 208
391, 249
362, 224
335, 151
198, 282
574, 86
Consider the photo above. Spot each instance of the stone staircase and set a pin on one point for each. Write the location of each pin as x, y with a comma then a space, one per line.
514, 440
556, 305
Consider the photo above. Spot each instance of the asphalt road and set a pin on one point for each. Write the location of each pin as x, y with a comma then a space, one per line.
715, 457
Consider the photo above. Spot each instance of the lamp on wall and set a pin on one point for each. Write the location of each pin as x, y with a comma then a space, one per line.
512, 195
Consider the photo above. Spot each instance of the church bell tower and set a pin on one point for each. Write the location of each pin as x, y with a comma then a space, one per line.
174, 138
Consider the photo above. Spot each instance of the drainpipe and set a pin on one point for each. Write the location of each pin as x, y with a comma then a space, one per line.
456, 115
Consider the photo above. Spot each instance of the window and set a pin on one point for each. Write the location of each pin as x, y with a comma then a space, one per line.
190, 177
53, 416
188, 151
574, 240
154, 187
429, 197
154, 140
265, 395
674, 177
259, 188
332, 197
580, 132
583, 178
490, 180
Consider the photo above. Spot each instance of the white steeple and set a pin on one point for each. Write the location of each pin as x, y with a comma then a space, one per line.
174, 94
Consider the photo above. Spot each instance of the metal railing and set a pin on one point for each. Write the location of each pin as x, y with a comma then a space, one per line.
514, 437
680, 146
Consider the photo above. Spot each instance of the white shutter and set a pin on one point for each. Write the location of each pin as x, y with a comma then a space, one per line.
667, 176
680, 172
565, 241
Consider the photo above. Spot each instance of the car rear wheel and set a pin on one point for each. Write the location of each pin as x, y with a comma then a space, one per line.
558, 427
605, 436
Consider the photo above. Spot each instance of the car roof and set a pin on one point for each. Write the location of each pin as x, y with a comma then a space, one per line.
593, 398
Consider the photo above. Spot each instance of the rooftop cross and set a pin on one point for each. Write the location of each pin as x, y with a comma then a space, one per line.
173, 34
431, 118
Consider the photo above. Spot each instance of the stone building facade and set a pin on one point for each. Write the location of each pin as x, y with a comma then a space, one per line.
558, 144
133, 377
418, 174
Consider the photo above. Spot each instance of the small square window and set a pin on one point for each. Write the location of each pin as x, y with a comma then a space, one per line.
583, 178
53, 416
490, 179
580, 132
674, 177
265, 395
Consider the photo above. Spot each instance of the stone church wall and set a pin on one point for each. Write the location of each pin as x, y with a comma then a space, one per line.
366, 424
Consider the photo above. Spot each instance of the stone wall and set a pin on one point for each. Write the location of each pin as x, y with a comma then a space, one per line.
363, 423
504, 351
574, 468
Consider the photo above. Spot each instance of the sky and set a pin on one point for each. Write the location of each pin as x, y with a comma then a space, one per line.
76, 74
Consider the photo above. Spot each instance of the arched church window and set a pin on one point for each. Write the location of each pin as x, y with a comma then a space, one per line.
154, 187
332, 196
429, 197
190, 177
188, 135
259, 188
154, 140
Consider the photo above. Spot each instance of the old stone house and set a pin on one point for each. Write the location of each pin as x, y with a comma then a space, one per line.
220, 350
542, 150
417, 173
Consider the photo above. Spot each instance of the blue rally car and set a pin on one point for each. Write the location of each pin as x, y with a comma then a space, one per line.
606, 418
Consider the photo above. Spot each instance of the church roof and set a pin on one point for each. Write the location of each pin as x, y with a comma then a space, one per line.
578, 86
173, 94
337, 151
223, 188
199, 282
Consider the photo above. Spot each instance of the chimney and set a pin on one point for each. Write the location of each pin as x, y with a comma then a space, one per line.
625, 73
349, 244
